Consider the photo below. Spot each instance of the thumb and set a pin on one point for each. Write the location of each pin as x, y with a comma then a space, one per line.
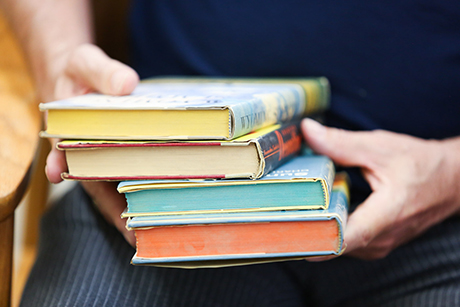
91, 67
370, 219
347, 148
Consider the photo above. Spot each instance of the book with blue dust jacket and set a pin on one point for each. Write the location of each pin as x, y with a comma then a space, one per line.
304, 182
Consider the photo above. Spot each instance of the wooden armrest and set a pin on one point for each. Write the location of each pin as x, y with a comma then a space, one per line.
20, 122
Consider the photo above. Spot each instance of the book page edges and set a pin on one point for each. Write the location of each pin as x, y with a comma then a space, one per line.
126, 214
161, 124
175, 220
62, 105
95, 144
67, 176
328, 181
45, 134
123, 150
201, 264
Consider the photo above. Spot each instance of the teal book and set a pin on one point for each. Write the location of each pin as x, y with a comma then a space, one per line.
302, 183
186, 109
226, 239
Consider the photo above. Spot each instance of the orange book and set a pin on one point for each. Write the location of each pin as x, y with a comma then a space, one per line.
237, 238
228, 239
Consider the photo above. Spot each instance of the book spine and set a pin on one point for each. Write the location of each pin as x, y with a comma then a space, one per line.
282, 105
328, 173
339, 204
318, 94
277, 147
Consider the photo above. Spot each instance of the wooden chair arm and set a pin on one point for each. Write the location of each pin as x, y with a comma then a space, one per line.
20, 122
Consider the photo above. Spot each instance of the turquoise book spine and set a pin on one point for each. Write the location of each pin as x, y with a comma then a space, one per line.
304, 182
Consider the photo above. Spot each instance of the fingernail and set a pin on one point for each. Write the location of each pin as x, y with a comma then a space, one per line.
314, 128
319, 259
118, 81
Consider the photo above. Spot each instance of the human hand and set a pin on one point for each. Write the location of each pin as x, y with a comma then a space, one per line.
415, 184
80, 71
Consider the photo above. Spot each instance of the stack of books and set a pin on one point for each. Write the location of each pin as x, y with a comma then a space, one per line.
209, 167
292, 212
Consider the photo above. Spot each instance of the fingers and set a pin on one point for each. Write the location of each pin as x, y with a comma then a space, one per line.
91, 67
346, 148
55, 163
111, 205
370, 220
88, 69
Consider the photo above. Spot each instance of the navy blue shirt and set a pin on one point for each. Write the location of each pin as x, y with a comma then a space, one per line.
392, 65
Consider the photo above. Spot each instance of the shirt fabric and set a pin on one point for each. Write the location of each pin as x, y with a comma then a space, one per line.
392, 65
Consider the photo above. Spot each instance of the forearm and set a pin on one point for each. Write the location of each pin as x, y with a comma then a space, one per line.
47, 30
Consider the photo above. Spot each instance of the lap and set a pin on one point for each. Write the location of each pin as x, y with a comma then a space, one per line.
424, 272
83, 261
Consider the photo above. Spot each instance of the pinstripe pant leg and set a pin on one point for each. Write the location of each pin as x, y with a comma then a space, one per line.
424, 272
82, 261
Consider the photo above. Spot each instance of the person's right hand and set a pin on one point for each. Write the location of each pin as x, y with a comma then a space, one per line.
82, 70
414, 182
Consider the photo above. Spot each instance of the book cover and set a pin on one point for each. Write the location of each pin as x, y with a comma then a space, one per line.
180, 110
250, 156
317, 89
304, 182
227, 239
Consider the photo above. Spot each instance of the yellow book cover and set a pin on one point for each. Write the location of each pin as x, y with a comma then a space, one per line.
186, 109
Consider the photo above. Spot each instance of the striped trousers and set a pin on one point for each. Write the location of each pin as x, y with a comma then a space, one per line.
83, 261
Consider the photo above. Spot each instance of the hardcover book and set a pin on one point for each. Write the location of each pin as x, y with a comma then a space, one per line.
240, 238
302, 183
164, 109
250, 156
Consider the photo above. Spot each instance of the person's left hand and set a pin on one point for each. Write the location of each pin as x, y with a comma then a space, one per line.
415, 184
